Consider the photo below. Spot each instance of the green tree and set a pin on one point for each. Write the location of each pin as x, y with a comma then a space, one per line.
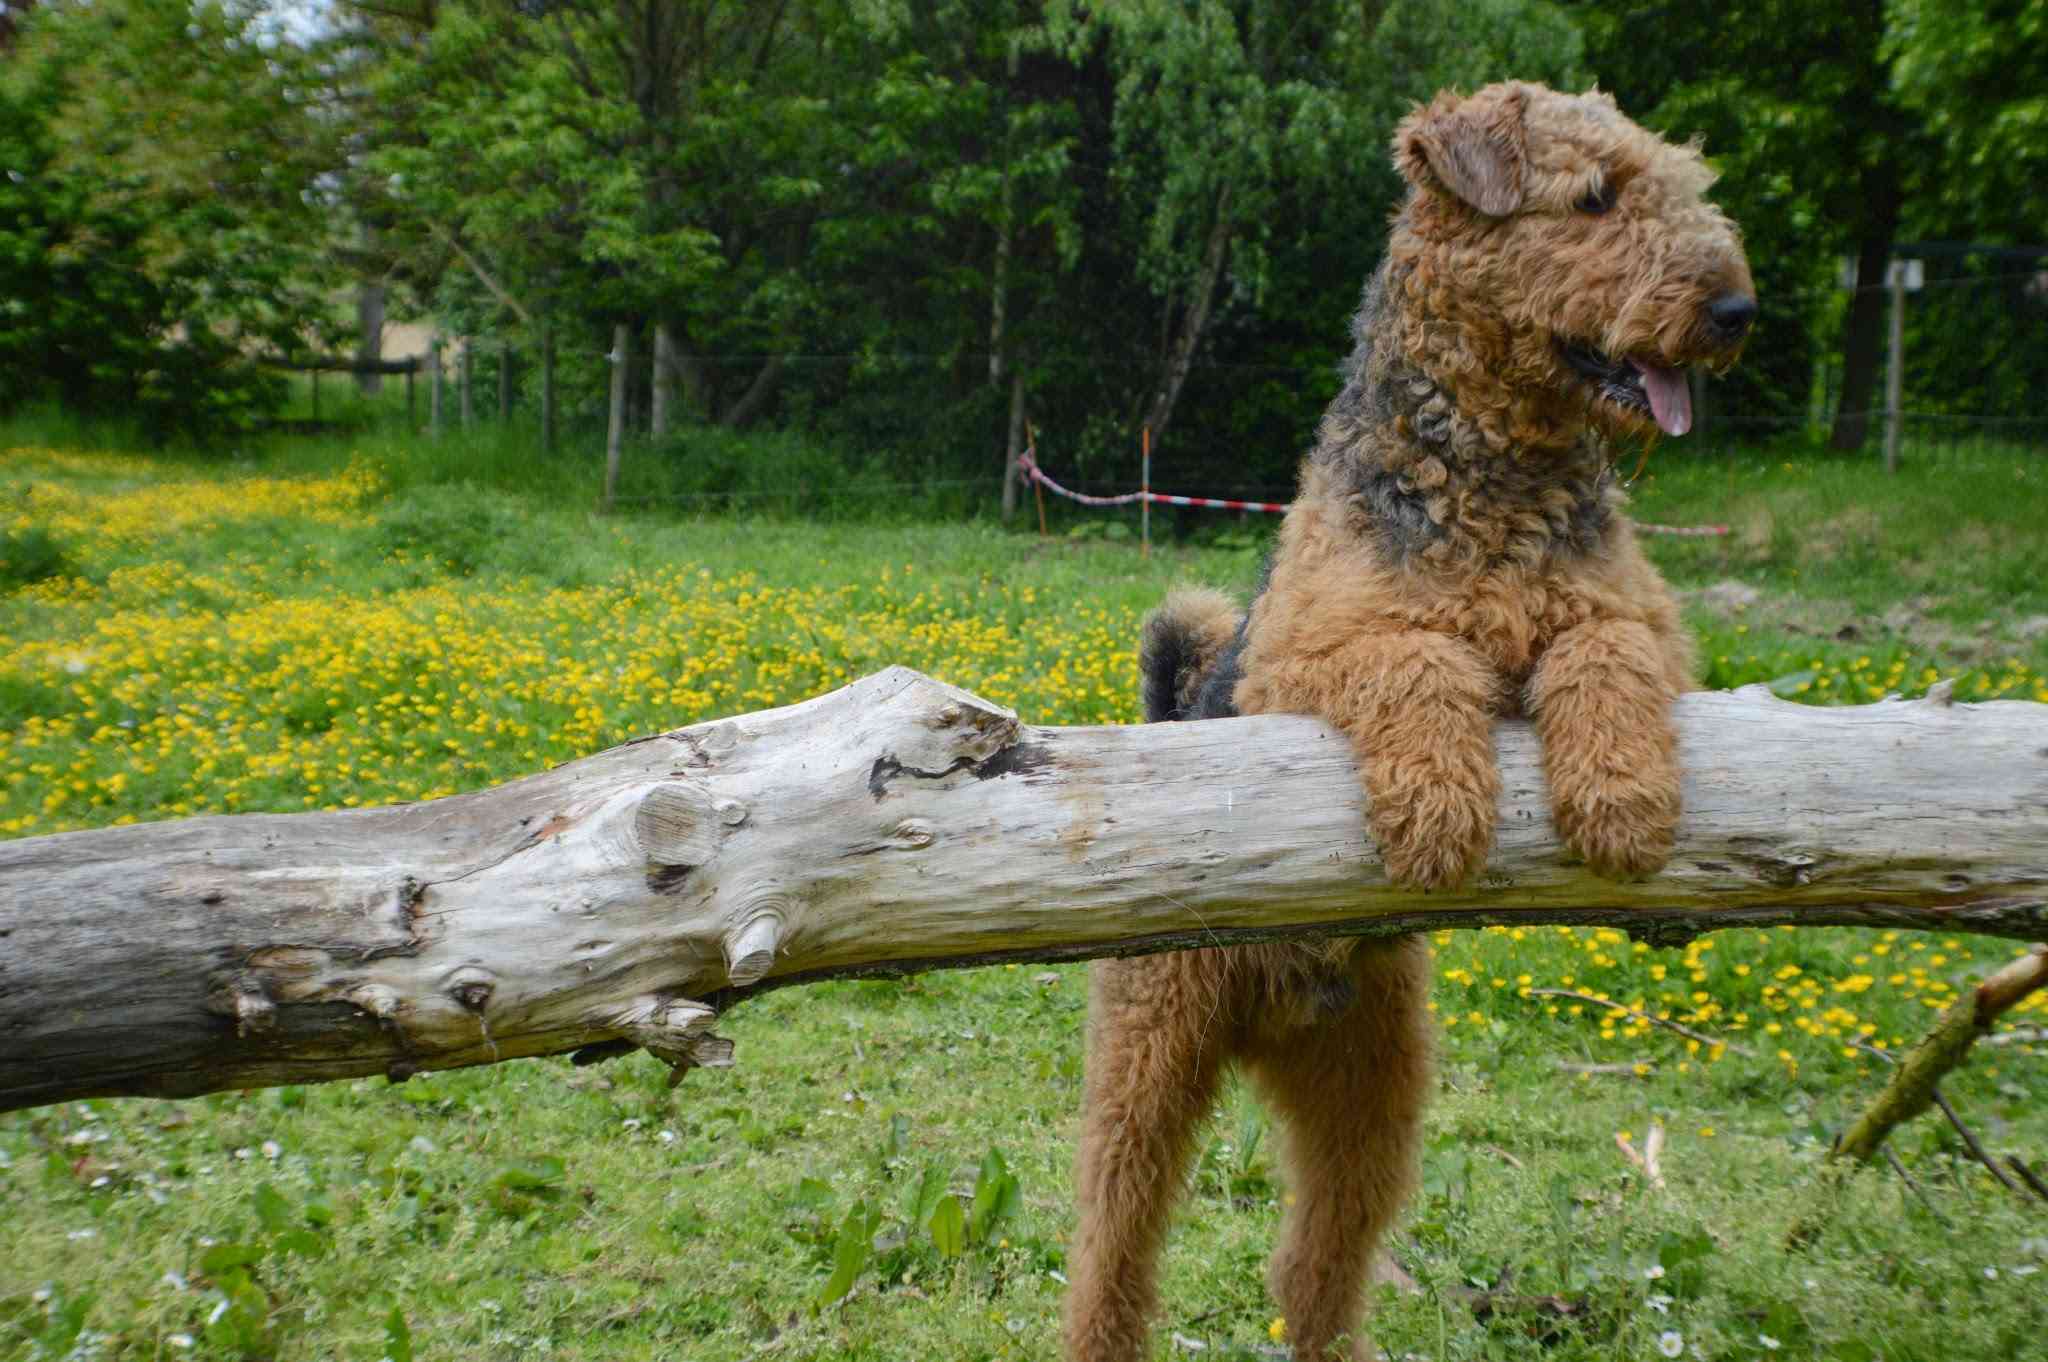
161, 222
1845, 127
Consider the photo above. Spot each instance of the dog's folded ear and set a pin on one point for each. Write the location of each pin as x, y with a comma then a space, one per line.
1472, 149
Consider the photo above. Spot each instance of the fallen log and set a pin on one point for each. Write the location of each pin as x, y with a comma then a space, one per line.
900, 824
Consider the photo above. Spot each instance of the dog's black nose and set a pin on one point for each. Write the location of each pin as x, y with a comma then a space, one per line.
1730, 315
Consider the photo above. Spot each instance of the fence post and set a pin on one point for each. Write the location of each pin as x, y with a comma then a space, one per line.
434, 386
463, 370
1895, 370
1016, 443
620, 357
663, 387
1145, 500
547, 387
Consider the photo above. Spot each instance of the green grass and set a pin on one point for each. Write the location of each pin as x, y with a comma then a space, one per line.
533, 1208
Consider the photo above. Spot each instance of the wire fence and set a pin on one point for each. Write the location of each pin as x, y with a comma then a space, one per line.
1961, 360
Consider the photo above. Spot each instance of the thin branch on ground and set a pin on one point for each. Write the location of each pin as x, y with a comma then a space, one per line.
1976, 1148
1918, 1191
2032, 1179
1969, 1139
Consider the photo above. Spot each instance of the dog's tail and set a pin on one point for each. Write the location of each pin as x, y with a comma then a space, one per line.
1178, 646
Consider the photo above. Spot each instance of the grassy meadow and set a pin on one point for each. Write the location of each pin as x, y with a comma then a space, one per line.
885, 1174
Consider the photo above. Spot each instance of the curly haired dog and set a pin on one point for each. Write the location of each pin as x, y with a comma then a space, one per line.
1456, 554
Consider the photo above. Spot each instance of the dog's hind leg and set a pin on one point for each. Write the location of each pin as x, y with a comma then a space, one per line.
1155, 1054
1348, 1095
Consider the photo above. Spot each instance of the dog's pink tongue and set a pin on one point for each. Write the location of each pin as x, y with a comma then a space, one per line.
1670, 398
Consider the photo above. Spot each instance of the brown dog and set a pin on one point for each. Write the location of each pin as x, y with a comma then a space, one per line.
1456, 554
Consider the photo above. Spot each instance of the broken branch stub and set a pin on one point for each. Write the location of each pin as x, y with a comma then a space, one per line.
901, 824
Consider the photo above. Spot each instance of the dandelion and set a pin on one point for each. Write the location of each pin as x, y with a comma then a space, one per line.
1277, 1330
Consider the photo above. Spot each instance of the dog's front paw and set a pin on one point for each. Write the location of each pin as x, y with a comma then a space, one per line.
1624, 828
1437, 840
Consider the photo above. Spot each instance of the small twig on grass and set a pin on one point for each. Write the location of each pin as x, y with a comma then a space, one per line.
1649, 1161
1638, 1069
1509, 1159
2019, 1035
1641, 1016
1918, 1191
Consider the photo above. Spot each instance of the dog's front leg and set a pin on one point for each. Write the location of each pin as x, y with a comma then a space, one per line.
1601, 697
1418, 708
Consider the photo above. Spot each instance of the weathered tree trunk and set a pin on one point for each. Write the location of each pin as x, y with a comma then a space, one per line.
900, 824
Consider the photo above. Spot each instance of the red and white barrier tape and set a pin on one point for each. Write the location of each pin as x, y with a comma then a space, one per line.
1686, 531
1038, 475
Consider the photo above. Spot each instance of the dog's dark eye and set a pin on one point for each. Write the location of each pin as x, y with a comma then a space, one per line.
1596, 200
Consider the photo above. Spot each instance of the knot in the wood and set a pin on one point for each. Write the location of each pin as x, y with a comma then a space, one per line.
254, 1012
471, 987
751, 945
948, 727
680, 823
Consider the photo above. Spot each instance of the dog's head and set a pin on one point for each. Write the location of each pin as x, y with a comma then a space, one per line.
1555, 246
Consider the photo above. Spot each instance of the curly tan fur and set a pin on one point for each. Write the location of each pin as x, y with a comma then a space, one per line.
1456, 555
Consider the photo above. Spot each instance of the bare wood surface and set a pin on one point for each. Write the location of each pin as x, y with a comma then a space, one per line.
901, 824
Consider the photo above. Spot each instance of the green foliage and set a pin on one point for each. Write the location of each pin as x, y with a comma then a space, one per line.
158, 215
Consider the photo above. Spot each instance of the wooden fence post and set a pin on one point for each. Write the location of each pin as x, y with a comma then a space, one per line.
547, 387
1015, 445
434, 386
1895, 369
620, 357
